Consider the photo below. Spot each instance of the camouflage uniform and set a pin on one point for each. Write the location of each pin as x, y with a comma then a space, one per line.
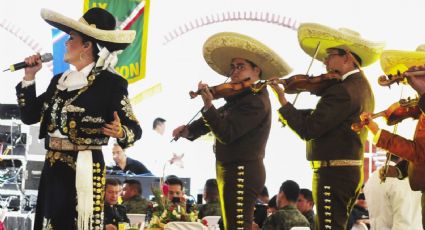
136, 204
310, 217
285, 218
209, 209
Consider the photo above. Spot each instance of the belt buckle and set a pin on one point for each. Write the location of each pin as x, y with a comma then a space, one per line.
55, 143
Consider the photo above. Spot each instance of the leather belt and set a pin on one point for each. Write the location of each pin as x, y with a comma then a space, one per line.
56, 143
335, 163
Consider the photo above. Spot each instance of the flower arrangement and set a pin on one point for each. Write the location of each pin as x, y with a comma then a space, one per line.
162, 211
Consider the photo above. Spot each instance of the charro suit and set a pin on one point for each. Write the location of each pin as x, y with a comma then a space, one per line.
241, 128
411, 150
331, 144
79, 115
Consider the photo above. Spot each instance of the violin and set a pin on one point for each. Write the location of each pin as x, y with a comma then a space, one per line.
396, 113
225, 89
387, 80
313, 84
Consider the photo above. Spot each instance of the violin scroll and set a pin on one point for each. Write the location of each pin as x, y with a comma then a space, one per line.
387, 80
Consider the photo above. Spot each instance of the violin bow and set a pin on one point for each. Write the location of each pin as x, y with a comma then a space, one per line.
308, 69
196, 114
388, 155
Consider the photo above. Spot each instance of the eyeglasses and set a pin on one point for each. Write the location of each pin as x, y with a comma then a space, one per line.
238, 67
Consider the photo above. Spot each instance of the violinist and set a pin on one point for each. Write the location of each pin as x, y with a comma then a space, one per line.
333, 149
241, 127
411, 150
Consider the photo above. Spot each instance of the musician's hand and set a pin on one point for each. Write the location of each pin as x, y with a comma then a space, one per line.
114, 129
391, 172
279, 91
181, 131
34, 65
366, 118
206, 94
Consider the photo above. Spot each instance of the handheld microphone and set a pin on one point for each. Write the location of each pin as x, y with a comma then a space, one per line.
44, 58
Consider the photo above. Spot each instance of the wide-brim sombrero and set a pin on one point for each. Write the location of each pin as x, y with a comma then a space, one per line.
107, 37
220, 49
310, 34
394, 61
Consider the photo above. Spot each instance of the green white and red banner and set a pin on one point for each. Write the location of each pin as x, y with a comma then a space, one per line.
130, 15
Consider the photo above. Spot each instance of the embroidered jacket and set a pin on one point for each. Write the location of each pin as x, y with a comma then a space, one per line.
80, 114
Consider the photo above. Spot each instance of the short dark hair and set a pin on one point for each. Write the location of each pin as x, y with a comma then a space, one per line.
157, 121
307, 194
211, 188
342, 52
174, 180
264, 192
134, 184
112, 181
291, 190
272, 202
253, 65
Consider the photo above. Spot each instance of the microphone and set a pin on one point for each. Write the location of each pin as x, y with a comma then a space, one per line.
44, 58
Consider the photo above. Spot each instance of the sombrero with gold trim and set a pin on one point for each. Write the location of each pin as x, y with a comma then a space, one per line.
96, 23
310, 34
393, 61
220, 49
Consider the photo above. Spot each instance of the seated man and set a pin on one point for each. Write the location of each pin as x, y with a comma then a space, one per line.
114, 213
127, 164
305, 205
132, 199
212, 205
175, 189
287, 215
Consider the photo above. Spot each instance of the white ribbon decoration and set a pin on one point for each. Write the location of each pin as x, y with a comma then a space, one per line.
84, 187
107, 59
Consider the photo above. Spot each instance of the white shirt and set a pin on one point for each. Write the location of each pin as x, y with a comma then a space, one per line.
392, 204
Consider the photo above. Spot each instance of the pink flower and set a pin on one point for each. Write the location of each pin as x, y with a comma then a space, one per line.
205, 222
165, 189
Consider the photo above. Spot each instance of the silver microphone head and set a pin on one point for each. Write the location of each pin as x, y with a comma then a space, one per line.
46, 57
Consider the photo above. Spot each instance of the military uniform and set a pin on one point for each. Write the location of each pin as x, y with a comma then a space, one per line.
335, 151
211, 208
285, 218
78, 116
136, 204
310, 217
241, 128
115, 214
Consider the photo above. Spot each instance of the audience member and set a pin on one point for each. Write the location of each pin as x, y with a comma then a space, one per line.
264, 196
114, 213
132, 197
359, 213
127, 164
212, 199
287, 215
393, 204
305, 205
272, 206
175, 189
159, 125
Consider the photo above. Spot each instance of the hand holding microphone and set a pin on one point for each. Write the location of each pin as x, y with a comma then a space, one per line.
32, 64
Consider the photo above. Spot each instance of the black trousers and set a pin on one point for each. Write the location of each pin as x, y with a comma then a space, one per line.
335, 190
239, 185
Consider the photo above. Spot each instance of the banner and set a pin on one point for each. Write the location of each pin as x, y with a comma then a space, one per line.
130, 15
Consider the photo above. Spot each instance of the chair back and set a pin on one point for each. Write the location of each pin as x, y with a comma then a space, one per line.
184, 226
137, 219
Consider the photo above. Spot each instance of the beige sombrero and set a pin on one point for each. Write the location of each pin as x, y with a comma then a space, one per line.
221, 48
96, 23
310, 34
393, 61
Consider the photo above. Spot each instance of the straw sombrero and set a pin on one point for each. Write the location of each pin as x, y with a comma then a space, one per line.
393, 61
310, 34
221, 48
96, 23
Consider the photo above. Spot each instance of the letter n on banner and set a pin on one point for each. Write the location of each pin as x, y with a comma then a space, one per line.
130, 15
